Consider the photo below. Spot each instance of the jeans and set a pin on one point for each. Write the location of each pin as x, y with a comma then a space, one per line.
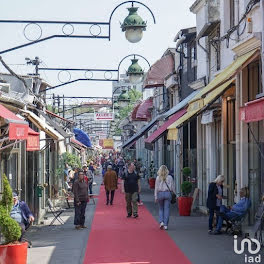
164, 199
211, 217
112, 196
131, 203
91, 187
228, 215
79, 217
23, 231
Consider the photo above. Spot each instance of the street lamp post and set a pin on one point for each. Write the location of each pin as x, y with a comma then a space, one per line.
135, 73
132, 28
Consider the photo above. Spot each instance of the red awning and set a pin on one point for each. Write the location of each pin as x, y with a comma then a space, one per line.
253, 111
32, 140
159, 71
156, 135
18, 128
143, 111
134, 114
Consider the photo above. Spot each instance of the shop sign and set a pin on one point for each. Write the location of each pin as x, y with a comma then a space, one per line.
18, 131
33, 142
104, 116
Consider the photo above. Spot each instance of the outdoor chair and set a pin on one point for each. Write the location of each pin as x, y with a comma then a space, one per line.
234, 225
56, 211
68, 196
92, 196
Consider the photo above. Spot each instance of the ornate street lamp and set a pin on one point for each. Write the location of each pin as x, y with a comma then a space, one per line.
123, 99
134, 26
135, 72
116, 106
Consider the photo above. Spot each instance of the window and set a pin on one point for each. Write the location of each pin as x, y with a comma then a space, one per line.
214, 50
232, 12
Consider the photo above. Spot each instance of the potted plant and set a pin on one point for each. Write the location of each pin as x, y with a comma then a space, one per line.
186, 171
12, 251
152, 179
185, 201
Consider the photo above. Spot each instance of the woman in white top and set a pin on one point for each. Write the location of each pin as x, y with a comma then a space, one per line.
163, 187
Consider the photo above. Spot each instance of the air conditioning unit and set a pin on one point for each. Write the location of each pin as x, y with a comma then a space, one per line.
5, 87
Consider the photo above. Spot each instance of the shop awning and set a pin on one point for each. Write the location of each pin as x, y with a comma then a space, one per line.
159, 132
42, 125
134, 112
17, 127
78, 143
55, 125
179, 106
212, 91
33, 140
81, 136
253, 111
194, 108
159, 71
141, 132
143, 111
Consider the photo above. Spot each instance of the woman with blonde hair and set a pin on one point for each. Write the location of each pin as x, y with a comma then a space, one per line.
214, 199
163, 187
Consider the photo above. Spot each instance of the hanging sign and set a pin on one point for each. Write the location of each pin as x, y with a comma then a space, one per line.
104, 116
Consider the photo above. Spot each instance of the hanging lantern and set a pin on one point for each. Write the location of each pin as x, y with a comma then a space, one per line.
123, 99
135, 72
134, 26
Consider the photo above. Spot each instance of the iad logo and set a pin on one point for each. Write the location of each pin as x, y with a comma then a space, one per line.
253, 249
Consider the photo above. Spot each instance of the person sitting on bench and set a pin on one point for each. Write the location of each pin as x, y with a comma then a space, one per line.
22, 214
237, 210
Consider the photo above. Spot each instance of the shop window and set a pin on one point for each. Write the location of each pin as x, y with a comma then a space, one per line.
214, 51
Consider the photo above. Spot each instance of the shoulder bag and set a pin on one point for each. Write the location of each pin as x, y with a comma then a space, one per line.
173, 195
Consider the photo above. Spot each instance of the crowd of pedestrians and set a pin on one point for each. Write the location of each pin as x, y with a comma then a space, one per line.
115, 170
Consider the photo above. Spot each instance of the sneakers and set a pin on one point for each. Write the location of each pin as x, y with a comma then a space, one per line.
165, 227
161, 225
135, 215
139, 204
77, 227
210, 231
129, 215
217, 232
83, 226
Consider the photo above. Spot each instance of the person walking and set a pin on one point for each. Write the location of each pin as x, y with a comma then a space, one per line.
110, 183
163, 187
131, 188
80, 191
21, 213
214, 199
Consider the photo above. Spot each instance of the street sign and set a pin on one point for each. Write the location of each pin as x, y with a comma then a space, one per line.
103, 116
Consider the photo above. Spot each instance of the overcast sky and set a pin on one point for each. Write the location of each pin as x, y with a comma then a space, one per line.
171, 16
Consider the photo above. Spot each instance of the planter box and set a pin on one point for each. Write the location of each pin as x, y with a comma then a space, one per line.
185, 205
14, 254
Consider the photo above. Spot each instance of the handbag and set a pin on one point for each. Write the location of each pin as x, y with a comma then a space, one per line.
173, 195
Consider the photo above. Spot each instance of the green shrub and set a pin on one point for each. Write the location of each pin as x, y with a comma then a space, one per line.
9, 227
186, 171
186, 188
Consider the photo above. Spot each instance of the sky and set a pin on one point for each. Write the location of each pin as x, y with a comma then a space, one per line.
171, 16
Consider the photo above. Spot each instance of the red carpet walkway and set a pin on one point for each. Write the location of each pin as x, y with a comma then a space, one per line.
114, 239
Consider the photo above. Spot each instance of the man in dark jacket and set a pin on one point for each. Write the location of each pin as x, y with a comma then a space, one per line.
80, 191
131, 187
22, 214
214, 199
